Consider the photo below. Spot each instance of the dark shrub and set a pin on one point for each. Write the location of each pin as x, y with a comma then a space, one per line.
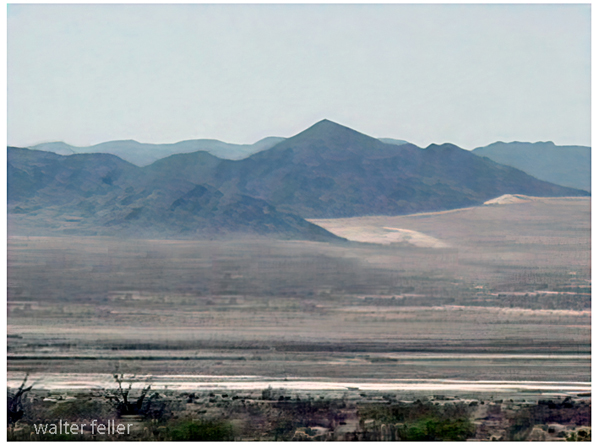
200, 430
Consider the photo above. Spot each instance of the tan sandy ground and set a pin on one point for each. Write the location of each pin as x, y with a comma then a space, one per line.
379, 235
501, 210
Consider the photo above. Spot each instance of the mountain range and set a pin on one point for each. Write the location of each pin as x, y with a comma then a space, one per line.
567, 165
330, 171
100, 194
144, 154
327, 170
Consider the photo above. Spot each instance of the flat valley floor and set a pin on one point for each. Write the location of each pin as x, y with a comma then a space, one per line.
483, 302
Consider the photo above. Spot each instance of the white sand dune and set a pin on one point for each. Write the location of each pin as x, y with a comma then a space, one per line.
353, 230
509, 199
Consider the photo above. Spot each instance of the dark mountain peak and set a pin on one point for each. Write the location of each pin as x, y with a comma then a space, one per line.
518, 145
329, 134
269, 139
326, 126
323, 139
446, 147
546, 144
127, 142
326, 122
550, 143
52, 144
184, 161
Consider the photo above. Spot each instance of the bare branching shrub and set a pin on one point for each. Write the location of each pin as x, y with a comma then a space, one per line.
123, 402
15, 402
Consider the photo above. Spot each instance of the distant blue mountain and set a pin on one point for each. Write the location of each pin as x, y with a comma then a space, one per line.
567, 165
144, 154
141, 154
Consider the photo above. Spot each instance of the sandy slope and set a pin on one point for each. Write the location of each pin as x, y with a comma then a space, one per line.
371, 233
501, 210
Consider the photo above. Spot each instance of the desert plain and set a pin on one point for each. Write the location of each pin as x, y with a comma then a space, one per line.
488, 303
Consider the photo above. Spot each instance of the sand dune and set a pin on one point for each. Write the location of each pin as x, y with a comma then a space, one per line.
347, 228
509, 199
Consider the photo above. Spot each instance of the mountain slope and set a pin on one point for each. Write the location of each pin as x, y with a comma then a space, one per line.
54, 180
100, 194
569, 166
194, 167
144, 154
393, 141
333, 171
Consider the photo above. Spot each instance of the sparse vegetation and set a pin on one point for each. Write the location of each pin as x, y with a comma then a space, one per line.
420, 421
375, 417
198, 430
15, 402
429, 429
122, 401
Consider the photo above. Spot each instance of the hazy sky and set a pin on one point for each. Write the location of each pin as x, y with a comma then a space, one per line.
466, 74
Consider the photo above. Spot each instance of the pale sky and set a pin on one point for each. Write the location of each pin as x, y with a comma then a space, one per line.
465, 74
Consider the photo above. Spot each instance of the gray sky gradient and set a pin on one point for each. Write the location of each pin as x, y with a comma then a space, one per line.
466, 74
